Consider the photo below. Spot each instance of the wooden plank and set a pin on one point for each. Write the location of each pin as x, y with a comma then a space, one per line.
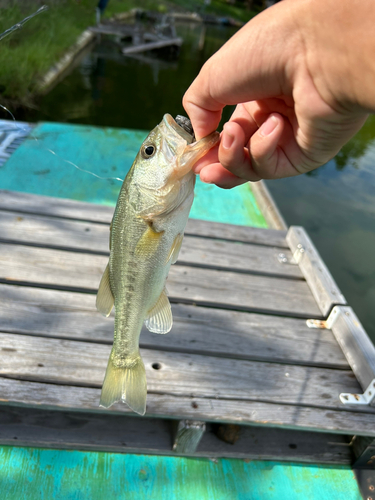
118, 29
181, 374
195, 329
260, 413
255, 235
77, 271
189, 434
110, 432
70, 209
326, 292
57, 207
267, 205
67, 234
364, 452
265, 443
355, 344
152, 45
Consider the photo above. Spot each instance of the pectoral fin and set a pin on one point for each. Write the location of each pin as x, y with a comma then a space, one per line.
148, 242
160, 319
175, 248
104, 299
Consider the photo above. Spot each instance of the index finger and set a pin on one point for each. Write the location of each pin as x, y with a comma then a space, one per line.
252, 65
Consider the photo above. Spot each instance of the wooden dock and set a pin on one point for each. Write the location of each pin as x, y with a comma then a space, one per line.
241, 374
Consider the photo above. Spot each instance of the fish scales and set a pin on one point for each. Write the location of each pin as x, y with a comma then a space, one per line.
145, 238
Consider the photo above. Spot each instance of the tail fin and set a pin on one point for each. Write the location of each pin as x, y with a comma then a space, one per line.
126, 384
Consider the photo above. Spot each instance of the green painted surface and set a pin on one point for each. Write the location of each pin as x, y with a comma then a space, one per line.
107, 152
30, 473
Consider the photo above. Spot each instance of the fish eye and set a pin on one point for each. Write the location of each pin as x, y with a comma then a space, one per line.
148, 151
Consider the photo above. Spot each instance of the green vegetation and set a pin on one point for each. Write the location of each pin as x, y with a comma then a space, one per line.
28, 53
236, 9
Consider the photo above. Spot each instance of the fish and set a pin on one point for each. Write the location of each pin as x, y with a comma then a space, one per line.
146, 234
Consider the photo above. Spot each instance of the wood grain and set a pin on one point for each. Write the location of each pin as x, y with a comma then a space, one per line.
77, 271
198, 330
260, 413
70, 209
110, 432
355, 344
180, 374
94, 238
323, 286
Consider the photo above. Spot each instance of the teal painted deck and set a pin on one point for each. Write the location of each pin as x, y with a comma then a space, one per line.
52, 474
107, 152
32, 473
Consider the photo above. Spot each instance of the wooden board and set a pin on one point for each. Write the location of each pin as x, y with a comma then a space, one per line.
355, 344
267, 205
180, 374
98, 431
82, 272
324, 288
240, 350
261, 413
69, 209
198, 330
58, 233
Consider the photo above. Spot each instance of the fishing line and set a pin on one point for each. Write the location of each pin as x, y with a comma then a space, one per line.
21, 23
58, 156
30, 134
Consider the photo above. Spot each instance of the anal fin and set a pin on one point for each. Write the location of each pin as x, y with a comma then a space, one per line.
159, 319
104, 299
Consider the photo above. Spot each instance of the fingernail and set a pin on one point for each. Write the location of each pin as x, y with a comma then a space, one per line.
268, 126
227, 140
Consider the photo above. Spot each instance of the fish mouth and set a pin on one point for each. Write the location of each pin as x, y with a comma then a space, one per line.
176, 128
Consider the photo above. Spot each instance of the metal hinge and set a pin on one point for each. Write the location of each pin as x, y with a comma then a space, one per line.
359, 399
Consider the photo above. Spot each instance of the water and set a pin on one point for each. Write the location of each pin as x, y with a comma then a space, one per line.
108, 89
336, 204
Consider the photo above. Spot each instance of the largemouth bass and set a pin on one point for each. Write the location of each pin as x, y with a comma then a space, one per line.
145, 238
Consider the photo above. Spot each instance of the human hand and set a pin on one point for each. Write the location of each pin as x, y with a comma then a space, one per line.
294, 81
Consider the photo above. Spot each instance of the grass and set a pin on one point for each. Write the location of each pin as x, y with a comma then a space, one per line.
216, 7
27, 54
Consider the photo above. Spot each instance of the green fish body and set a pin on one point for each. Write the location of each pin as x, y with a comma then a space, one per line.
146, 235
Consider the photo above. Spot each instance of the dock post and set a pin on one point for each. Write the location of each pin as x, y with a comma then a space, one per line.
364, 452
189, 433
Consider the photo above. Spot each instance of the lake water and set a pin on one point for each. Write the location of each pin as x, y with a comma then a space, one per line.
336, 204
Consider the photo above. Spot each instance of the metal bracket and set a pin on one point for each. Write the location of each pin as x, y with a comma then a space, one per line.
324, 324
359, 399
299, 252
283, 259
